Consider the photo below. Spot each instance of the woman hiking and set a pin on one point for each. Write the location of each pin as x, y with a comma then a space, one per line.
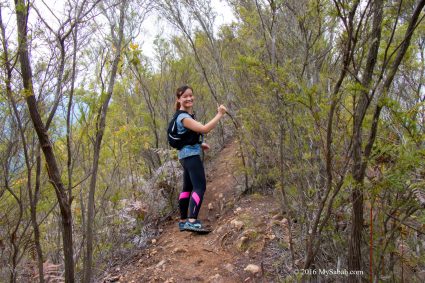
194, 182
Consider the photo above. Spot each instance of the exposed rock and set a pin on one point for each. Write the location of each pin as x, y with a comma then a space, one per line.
161, 263
254, 269
229, 267
236, 224
219, 230
237, 210
153, 241
210, 206
157, 190
179, 250
215, 278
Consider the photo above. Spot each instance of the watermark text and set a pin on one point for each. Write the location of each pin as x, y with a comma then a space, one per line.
329, 272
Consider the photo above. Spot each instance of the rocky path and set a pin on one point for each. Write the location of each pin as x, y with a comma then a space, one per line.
233, 252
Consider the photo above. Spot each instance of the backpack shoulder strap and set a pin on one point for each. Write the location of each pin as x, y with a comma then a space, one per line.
178, 112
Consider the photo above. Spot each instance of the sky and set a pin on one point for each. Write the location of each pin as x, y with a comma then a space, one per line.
152, 26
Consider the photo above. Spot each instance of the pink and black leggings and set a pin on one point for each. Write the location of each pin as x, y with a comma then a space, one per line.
194, 185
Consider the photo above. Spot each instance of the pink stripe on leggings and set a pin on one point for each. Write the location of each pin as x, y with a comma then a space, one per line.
196, 198
184, 195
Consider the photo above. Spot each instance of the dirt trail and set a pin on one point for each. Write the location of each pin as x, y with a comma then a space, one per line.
176, 256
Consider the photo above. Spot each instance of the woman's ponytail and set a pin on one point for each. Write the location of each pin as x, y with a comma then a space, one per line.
177, 105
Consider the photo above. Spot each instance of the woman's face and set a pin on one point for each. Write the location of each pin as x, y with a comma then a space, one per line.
186, 99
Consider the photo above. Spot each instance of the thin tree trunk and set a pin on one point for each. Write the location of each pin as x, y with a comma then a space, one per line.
354, 251
360, 162
312, 243
97, 146
34, 215
69, 109
14, 237
32, 198
22, 10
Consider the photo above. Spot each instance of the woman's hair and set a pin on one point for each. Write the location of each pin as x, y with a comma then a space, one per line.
179, 93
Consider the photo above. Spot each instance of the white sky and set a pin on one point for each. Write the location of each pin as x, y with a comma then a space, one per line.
150, 27
153, 27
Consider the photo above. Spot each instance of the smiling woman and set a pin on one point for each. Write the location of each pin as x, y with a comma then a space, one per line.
194, 183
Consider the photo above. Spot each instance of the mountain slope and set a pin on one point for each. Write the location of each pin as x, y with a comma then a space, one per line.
233, 252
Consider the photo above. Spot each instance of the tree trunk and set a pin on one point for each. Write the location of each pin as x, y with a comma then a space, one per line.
354, 251
313, 242
53, 170
360, 160
98, 142
34, 215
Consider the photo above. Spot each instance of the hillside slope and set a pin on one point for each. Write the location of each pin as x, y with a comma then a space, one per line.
240, 248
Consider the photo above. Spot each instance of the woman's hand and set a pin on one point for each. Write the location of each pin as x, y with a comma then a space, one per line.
222, 109
205, 146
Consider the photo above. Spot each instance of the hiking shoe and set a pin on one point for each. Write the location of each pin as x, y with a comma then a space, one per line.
181, 226
196, 227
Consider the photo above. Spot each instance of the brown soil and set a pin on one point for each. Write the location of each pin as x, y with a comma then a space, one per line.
223, 254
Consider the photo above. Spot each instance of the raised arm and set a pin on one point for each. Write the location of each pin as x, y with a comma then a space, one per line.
204, 129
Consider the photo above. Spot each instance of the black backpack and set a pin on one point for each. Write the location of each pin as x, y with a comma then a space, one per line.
177, 140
